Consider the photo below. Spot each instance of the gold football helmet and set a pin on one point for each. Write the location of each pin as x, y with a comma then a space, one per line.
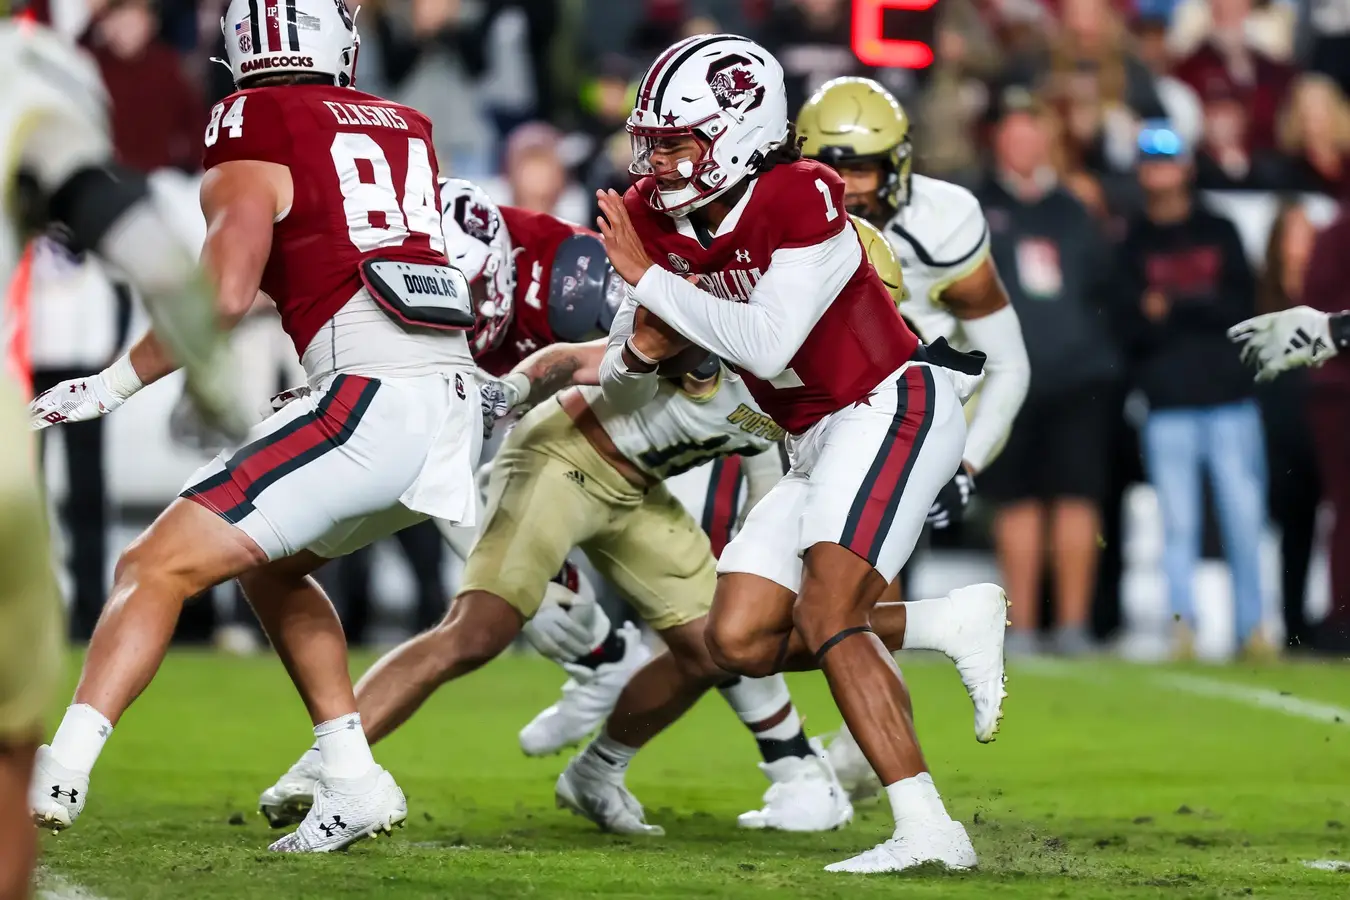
882, 257
856, 121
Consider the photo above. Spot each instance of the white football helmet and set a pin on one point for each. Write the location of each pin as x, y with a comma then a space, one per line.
726, 91
278, 37
477, 243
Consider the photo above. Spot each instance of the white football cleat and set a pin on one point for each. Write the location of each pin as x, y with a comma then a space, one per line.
851, 767
945, 843
346, 810
588, 699
288, 801
591, 789
975, 644
805, 796
56, 795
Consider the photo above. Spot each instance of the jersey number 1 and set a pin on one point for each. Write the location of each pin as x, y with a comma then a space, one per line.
830, 212
375, 216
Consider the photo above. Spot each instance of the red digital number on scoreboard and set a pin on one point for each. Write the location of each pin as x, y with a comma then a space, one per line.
874, 49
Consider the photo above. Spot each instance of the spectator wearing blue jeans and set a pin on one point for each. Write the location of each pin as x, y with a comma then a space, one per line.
1183, 280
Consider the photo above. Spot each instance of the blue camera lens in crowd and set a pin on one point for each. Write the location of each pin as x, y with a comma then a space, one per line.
1159, 140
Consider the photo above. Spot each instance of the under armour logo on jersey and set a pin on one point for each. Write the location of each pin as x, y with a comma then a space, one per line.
69, 795
525, 346
330, 830
743, 256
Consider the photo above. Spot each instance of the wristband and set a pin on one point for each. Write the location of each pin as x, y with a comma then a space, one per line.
1338, 324
121, 378
642, 357
517, 385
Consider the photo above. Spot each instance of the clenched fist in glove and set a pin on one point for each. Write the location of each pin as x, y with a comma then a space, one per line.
569, 623
950, 505
82, 399
496, 404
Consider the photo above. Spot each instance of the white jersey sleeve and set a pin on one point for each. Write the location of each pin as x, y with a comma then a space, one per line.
677, 431
940, 237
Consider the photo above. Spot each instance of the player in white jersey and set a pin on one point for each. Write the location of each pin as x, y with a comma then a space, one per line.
940, 235
56, 162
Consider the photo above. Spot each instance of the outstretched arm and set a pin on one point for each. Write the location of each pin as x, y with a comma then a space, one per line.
545, 372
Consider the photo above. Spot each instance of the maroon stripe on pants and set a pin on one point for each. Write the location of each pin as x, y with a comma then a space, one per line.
873, 516
720, 513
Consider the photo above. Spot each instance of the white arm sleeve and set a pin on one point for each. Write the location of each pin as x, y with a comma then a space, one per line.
762, 472
1007, 374
624, 390
763, 335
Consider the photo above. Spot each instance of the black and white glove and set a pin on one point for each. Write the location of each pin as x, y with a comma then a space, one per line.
496, 404
950, 505
1289, 339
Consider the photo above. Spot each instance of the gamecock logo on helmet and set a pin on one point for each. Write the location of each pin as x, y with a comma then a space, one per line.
476, 219
733, 83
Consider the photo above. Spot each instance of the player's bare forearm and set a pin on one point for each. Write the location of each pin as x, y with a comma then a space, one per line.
555, 367
977, 294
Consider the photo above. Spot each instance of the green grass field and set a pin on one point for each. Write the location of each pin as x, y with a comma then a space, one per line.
1107, 781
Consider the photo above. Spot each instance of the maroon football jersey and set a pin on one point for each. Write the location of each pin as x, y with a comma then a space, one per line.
534, 241
857, 342
364, 171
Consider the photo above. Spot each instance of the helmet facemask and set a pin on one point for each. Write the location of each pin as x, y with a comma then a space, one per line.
703, 178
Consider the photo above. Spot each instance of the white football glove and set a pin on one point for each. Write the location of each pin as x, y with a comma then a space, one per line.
570, 623
496, 404
83, 399
1279, 341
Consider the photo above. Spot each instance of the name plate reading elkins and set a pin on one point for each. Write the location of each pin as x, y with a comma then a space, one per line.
420, 294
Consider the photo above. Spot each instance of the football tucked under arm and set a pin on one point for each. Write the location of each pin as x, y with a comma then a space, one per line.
763, 335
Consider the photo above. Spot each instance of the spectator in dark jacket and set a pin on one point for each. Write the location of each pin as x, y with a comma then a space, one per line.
1048, 482
1183, 280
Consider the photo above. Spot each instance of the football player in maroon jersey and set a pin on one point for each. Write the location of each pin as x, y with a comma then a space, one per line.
323, 198
783, 292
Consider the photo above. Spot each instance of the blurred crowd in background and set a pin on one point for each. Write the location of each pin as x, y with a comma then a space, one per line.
1124, 286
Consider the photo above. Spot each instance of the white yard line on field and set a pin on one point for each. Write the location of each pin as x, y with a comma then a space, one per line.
1265, 698
51, 886
1328, 865
1200, 685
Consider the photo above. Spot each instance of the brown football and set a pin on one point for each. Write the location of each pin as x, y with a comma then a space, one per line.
687, 360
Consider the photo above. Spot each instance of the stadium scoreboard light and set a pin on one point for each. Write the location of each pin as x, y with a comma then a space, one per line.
894, 33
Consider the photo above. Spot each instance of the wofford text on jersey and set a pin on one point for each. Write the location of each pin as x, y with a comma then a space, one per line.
363, 114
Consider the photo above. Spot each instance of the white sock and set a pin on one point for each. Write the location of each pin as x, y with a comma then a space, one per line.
311, 757
611, 753
926, 624
915, 803
80, 738
789, 728
756, 699
343, 748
